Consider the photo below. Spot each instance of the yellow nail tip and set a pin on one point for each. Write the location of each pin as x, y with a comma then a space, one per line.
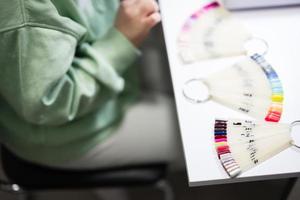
277, 98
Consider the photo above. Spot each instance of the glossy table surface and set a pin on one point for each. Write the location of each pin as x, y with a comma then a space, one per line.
280, 28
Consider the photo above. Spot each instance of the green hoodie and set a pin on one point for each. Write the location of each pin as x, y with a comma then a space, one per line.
65, 76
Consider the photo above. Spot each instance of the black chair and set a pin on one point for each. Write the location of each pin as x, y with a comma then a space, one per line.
25, 177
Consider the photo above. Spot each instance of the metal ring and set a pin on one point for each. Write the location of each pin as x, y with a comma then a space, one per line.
293, 124
262, 41
194, 100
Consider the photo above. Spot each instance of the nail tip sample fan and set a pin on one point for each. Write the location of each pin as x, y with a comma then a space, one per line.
211, 32
243, 144
251, 86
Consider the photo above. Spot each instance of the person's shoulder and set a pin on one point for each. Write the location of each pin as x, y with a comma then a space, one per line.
16, 14
11, 14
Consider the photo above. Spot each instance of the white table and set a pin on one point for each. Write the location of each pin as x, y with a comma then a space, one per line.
281, 29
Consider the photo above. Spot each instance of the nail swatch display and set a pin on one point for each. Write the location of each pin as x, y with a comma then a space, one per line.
275, 110
250, 86
209, 32
243, 144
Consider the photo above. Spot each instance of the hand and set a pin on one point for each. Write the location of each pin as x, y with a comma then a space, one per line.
135, 19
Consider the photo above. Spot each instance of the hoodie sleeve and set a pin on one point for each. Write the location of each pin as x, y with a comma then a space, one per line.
48, 74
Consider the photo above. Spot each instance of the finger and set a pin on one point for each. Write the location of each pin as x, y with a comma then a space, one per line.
128, 2
153, 19
147, 7
155, 6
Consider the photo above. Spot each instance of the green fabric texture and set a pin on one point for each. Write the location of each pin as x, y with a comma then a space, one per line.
66, 76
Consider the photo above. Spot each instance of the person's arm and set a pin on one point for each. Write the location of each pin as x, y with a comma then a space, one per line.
135, 19
40, 78
45, 84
